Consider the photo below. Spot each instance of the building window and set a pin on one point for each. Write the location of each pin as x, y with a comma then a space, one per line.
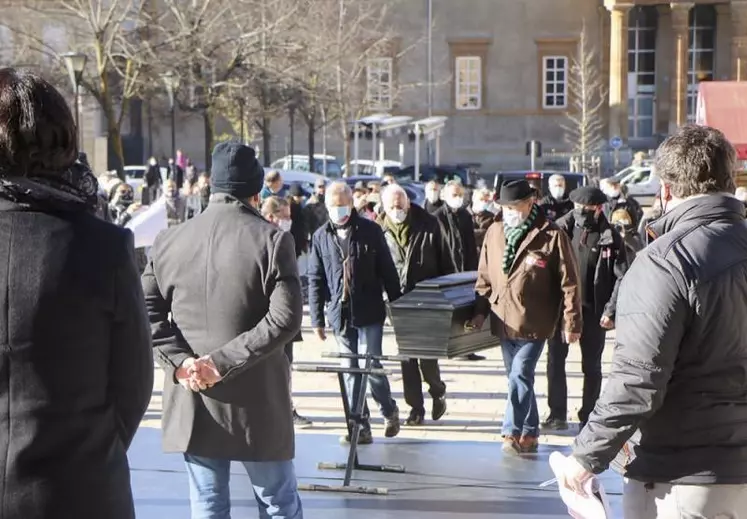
379, 83
641, 71
554, 82
701, 62
468, 82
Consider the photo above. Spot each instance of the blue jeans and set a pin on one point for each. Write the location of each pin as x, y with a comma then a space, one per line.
274, 483
361, 341
520, 358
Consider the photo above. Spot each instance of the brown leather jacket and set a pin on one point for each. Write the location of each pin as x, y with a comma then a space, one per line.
543, 283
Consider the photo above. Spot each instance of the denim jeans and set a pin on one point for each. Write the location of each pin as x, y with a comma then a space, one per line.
361, 341
520, 358
274, 483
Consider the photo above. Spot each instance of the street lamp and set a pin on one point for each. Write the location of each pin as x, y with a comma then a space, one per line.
76, 64
242, 104
171, 81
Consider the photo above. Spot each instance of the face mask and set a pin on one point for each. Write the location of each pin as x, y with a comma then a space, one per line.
432, 196
285, 225
360, 203
171, 193
584, 217
339, 215
397, 215
557, 192
455, 202
512, 218
480, 207
153, 162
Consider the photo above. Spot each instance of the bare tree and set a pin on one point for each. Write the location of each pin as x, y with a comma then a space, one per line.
586, 88
109, 33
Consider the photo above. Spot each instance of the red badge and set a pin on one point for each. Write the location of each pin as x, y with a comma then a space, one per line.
606, 254
535, 261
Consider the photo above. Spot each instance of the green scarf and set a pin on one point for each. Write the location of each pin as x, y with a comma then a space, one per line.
400, 232
514, 237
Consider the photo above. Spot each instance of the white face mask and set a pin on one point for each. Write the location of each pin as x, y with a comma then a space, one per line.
397, 215
432, 196
338, 215
480, 206
285, 225
512, 218
557, 192
455, 202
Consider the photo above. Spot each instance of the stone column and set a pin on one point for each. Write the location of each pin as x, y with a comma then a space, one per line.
678, 76
618, 88
739, 40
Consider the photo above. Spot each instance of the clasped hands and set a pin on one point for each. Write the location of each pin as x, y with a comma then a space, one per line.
198, 374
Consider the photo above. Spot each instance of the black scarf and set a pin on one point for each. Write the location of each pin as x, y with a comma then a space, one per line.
74, 190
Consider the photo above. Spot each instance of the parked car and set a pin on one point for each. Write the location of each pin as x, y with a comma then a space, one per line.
415, 192
377, 169
305, 178
468, 174
540, 179
135, 177
301, 163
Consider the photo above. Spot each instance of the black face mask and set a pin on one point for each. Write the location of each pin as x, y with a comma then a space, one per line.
584, 217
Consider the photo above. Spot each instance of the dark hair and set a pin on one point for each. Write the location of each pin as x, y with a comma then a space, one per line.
37, 129
696, 160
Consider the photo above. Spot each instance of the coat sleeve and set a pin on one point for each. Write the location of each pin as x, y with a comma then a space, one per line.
282, 321
131, 361
619, 269
317, 283
445, 259
170, 348
385, 269
569, 284
470, 244
483, 287
652, 319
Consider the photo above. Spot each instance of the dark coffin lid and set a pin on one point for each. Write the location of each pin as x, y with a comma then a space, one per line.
445, 292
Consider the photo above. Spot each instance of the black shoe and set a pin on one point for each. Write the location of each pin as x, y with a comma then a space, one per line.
392, 425
439, 407
301, 421
416, 418
555, 424
472, 357
365, 437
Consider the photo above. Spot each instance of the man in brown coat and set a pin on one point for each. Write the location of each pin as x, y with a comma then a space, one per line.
527, 276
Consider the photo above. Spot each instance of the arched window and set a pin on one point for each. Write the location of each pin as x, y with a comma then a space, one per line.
700, 63
641, 71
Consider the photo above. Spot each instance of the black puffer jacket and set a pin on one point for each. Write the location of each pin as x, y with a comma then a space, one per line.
459, 232
676, 397
426, 255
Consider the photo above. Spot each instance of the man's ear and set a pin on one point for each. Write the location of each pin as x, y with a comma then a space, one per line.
666, 193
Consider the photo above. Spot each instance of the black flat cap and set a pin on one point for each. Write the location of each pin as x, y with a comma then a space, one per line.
588, 195
235, 170
296, 190
513, 191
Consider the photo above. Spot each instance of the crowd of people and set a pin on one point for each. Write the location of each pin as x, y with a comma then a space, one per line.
82, 326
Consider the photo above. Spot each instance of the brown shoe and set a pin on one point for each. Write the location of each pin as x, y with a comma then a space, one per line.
511, 445
528, 444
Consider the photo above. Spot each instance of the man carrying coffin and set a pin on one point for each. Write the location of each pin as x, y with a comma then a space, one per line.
419, 252
527, 276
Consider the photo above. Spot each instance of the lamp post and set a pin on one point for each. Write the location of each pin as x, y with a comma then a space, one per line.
242, 104
171, 81
76, 64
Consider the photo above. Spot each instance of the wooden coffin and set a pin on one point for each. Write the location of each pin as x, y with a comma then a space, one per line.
429, 321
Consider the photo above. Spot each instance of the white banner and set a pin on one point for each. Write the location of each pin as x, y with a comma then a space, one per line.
147, 223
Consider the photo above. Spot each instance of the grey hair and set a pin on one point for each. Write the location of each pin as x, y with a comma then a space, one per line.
452, 184
336, 187
696, 160
390, 191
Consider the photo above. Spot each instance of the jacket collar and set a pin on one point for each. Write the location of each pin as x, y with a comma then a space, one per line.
703, 209
225, 200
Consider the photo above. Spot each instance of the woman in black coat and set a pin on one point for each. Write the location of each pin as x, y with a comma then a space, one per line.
76, 365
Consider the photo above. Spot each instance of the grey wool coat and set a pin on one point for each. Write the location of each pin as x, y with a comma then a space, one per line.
225, 283
76, 365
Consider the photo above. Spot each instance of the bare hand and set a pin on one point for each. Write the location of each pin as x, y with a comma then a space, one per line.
183, 374
477, 322
133, 207
320, 333
572, 338
606, 323
205, 373
574, 476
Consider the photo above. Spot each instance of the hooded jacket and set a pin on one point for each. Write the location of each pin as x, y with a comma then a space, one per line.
674, 409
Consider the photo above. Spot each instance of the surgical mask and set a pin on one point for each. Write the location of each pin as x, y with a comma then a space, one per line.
339, 215
512, 218
432, 196
557, 192
480, 206
611, 192
398, 216
360, 203
285, 225
153, 162
455, 202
